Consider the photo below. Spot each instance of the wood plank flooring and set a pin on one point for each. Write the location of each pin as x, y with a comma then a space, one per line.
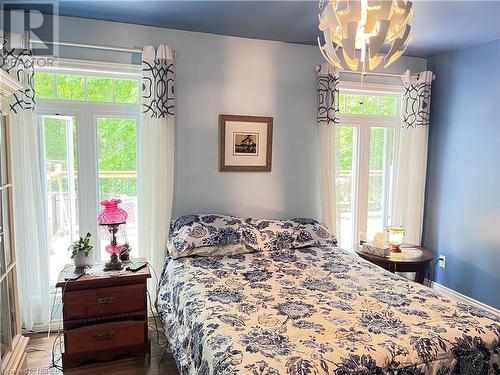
39, 361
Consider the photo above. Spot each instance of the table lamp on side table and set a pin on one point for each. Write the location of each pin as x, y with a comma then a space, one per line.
112, 221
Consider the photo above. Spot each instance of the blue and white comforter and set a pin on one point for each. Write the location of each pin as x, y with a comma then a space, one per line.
317, 311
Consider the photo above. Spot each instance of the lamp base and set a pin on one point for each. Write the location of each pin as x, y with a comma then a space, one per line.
395, 249
114, 264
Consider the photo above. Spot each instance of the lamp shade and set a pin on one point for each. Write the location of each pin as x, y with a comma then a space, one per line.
111, 213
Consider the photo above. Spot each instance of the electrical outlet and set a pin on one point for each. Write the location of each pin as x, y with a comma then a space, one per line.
442, 261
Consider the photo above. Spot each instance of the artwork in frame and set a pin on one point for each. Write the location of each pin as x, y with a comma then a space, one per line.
245, 143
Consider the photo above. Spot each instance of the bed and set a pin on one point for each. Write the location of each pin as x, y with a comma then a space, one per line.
316, 310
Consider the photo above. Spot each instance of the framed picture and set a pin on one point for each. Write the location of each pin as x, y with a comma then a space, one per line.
245, 143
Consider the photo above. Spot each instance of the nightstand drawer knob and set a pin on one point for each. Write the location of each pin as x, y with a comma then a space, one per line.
105, 336
105, 300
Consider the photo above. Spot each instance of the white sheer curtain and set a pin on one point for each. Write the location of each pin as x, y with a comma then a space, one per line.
156, 154
411, 162
30, 233
328, 102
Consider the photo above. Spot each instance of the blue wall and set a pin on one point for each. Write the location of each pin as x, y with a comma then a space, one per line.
462, 218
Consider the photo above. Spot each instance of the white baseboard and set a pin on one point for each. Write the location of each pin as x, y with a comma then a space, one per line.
450, 292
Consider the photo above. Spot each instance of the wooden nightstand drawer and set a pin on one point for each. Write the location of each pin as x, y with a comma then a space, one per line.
105, 336
104, 317
104, 301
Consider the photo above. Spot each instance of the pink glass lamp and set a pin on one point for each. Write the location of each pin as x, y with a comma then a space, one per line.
113, 219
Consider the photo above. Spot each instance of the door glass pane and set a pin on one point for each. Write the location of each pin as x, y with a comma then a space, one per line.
3, 152
12, 305
117, 140
5, 327
380, 179
59, 134
5, 227
346, 142
3, 266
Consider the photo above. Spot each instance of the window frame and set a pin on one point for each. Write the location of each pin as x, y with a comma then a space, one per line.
85, 114
363, 125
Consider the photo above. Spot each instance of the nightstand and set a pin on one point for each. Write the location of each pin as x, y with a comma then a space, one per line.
395, 264
104, 317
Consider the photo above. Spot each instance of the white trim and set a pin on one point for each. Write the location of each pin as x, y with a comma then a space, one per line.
8, 86
463, 298
83, 67
377, 88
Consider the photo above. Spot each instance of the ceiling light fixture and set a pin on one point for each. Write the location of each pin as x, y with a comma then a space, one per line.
364, 29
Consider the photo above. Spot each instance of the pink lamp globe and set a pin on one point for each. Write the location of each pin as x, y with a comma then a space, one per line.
113, 218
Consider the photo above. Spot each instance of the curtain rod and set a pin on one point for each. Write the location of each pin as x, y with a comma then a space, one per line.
92, 46
317, 68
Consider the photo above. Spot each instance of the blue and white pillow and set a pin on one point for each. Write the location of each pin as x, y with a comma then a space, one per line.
292, 234
212, 235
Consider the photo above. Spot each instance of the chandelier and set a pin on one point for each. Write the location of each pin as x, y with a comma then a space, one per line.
369, 31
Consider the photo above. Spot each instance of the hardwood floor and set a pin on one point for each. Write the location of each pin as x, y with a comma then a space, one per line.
39, 361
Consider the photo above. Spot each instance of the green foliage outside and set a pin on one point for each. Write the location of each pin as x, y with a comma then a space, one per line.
70, 87
44, 86
126, 91
99, 89
371, 105
93, 89
117, 142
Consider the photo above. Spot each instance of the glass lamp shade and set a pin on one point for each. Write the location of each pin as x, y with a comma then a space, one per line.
396, 235
111, 213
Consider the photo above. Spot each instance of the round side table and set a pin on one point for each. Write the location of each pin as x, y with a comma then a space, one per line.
394, 263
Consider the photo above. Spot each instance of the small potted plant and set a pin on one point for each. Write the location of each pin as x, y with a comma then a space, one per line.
80, 251
125, 253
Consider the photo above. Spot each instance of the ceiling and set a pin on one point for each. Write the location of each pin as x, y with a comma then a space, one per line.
438, 25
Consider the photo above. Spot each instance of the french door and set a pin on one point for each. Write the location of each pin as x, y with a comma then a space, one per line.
366, 140
88, 156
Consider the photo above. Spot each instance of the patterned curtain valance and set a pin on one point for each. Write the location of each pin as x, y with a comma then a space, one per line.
158, 81
19, 64
416, 107
328, 95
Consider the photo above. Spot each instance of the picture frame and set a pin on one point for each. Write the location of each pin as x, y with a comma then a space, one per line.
245, 143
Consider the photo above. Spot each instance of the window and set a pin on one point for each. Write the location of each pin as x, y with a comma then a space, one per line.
365, 144
88, 134
86, 88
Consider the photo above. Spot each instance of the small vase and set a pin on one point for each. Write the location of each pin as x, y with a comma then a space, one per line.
124, 256
81, 260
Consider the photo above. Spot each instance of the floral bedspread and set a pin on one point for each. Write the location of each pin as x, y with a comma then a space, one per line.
317, 311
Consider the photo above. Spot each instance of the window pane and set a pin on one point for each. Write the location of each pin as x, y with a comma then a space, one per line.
353, 104
5, 330
5, 229
117, 139
44, 86
379, 179
99, 89
61, 172
3, 152
370, 105
126, 91
70, 87
346, 142
387, 106
12, 310
3, 265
